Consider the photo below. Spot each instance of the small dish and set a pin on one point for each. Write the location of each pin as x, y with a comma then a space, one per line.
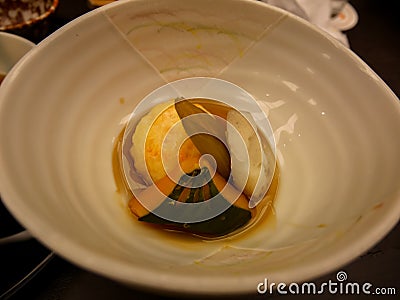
18, 13
12, 49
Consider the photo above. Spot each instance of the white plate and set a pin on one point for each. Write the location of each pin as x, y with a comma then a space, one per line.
335, 122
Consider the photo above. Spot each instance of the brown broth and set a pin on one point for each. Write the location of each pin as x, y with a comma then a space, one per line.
263, 215
2, 76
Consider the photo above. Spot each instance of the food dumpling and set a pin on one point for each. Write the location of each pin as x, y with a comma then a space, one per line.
252, 161
150, 137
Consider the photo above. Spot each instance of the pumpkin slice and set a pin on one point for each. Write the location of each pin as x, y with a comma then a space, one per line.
204, 130
225, 198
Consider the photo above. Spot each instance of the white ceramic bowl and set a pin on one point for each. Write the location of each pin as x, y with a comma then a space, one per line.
335, 122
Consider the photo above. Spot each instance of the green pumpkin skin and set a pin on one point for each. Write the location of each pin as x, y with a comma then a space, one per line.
231, 219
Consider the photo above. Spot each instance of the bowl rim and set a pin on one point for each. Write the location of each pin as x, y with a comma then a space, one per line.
111, 268
18, 38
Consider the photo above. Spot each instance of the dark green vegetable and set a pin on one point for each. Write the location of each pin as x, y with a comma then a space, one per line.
233, 218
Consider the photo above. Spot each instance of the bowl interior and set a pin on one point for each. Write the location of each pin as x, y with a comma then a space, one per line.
335, 122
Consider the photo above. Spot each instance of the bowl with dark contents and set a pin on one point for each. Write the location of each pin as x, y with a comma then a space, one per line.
19, 13
95, 159
12, 49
